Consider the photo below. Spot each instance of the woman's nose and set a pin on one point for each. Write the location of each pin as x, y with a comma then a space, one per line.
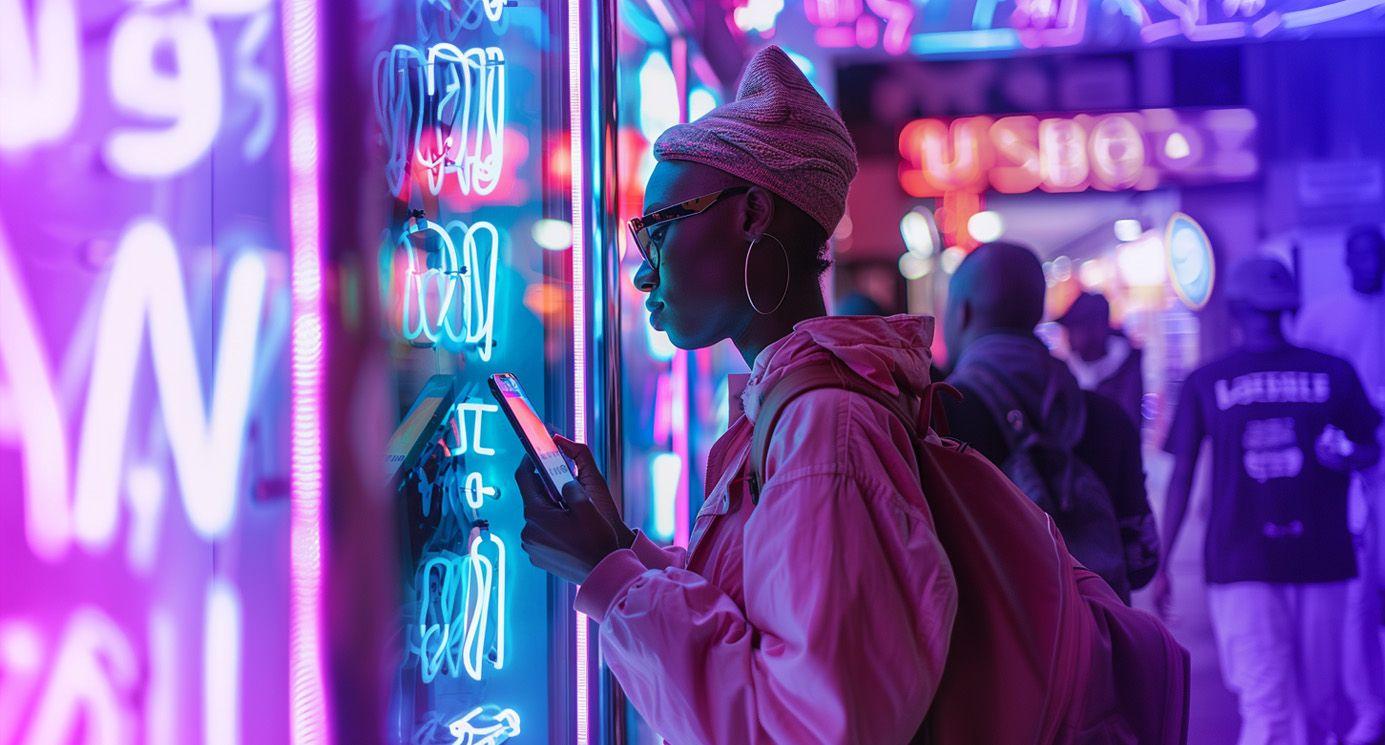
646, 279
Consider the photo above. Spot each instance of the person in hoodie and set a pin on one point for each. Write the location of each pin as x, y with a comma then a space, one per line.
823, 611
1103, 359
995, 299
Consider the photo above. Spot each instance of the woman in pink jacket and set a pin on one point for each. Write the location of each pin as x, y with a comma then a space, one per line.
821, 611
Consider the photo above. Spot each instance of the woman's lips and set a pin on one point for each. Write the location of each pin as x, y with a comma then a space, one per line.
654, 314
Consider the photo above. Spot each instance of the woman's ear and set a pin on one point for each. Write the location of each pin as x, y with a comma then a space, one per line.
758, 213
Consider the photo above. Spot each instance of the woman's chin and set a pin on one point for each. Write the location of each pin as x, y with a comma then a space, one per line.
685, 342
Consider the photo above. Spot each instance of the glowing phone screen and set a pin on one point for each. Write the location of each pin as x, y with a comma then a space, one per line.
531, 429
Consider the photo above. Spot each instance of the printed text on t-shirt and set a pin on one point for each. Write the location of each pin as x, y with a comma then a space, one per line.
1273, 387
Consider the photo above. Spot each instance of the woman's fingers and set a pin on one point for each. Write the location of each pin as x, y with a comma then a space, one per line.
532, 489
574, 494
580, 454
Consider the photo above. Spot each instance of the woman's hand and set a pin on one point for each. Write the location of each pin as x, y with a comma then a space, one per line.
566, 543
594, 484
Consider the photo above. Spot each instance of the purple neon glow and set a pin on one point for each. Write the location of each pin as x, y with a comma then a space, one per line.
308, 704
576, 118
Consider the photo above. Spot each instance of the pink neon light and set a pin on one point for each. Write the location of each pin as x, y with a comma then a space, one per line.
681, 528
1109, 152
1330, 12
1052, 23
1159, 31
576, 114
678, 48
1216, 31
1267, 24
310, 724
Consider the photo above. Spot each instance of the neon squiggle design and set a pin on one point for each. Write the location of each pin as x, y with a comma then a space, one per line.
465, 321
476, 491
440, 19
398, 72
467, 110
456, 595
468, 731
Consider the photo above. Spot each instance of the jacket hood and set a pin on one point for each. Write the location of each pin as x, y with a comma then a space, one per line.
1045, 388
891, 352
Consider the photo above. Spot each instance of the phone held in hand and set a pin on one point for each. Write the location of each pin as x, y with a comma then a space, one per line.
552, 464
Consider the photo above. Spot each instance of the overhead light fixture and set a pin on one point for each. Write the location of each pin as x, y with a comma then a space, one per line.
952, 258
913, 266
551, 234
1128, 230
920, 232
986, 226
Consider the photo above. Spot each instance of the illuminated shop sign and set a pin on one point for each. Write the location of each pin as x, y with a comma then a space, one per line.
969, 27
1192, 267
1138, 150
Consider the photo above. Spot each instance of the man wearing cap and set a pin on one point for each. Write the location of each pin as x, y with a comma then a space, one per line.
1351, 324
1103, 359
1287, 427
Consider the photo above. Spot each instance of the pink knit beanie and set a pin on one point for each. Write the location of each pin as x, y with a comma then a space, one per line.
778, 134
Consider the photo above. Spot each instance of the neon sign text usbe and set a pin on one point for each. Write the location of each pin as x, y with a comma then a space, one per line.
1137, 150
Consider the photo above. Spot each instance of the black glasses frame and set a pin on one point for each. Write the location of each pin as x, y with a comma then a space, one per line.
640, 226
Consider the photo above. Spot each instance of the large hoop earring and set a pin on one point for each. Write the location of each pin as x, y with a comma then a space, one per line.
788, 270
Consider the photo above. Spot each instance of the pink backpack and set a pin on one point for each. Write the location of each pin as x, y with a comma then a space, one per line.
1042, 650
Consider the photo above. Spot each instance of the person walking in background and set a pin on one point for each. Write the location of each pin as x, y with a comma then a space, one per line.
1351, 324
1102, 358
1075, 453
1288, 425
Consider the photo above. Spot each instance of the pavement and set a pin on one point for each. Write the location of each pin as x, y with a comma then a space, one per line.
1213, 719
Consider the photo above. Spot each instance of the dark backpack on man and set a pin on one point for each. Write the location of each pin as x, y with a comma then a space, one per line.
1056, 480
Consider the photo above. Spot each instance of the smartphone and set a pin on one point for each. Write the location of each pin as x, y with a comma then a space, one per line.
552, 464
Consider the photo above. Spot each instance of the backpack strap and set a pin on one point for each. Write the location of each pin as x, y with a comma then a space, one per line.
816, 377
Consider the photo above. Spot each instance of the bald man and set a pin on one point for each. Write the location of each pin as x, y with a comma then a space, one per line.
1073, 451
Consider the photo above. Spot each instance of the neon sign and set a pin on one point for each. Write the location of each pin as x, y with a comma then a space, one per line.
471, 728
445, 111
40, 75
1137, 150
453, 301
1191, 265
461, 609
159, 72
443, 19
94, 669
145, 291
845, 23
120, 626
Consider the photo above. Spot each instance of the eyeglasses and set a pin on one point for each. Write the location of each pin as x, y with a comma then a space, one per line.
641, 227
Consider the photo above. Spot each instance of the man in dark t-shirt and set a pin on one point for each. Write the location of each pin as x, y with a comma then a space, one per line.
1287, 426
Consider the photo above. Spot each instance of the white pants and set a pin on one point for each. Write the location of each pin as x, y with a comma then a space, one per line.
1280, 647
1363, 672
